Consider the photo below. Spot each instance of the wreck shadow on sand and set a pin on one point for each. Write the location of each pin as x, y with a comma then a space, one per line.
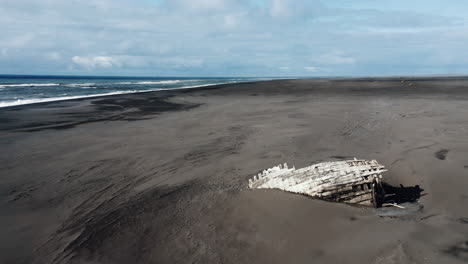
388, 194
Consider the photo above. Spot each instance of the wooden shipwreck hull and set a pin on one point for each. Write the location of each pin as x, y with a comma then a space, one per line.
352, 181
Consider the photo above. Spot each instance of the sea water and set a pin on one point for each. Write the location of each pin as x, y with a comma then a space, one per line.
20, 90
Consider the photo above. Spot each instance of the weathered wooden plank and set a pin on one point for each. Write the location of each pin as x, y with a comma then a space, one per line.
349, 181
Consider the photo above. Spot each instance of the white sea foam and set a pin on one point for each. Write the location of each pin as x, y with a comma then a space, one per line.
54, 99
161, 82
81, 84
28, 85
153, 82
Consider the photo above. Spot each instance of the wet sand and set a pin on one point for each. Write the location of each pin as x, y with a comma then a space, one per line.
161, 177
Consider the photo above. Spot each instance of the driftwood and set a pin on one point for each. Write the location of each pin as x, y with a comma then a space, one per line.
352, 181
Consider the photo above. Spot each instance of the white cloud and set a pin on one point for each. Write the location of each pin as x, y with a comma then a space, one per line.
54, 56
200, 5
280, 8
296, 9
233, 20
311, 68
181, 62
225, 37
91, 62
335, 58
21, 40
338, 59
207, 4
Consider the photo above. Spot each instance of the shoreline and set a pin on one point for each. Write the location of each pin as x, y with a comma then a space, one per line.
81, 97
217, 85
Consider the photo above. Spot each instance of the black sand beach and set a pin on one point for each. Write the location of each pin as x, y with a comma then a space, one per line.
162, 177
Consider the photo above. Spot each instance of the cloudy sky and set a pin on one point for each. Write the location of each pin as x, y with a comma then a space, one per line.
233, 37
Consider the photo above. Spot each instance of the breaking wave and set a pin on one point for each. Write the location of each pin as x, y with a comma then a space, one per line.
154, 82
63, 98
57, 88
81, 84
28, 85
54, 99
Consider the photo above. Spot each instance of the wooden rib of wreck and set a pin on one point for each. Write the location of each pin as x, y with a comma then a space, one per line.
355, 181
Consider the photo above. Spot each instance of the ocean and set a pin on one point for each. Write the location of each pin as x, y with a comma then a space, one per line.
20, 90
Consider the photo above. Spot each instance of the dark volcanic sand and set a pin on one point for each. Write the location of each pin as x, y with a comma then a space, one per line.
161, 177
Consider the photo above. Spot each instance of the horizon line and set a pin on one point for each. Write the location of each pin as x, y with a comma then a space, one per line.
212, 77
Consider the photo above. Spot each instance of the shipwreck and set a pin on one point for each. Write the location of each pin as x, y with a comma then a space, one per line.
356, 181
